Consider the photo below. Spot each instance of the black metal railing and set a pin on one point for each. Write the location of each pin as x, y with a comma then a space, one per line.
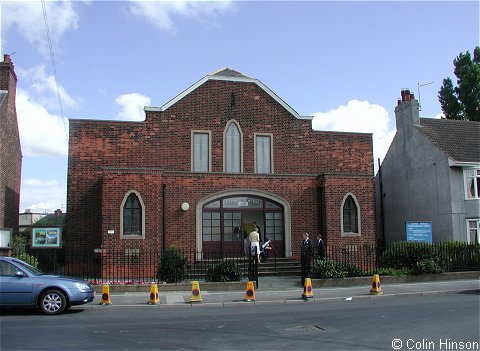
136, 266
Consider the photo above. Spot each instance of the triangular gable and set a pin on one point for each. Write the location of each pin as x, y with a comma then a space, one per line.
227, 74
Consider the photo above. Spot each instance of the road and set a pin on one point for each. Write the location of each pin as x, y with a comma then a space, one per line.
429, 322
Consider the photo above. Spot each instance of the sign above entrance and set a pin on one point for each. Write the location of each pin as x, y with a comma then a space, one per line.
243, 202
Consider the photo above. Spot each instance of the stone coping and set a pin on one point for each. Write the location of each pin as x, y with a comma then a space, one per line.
317, 283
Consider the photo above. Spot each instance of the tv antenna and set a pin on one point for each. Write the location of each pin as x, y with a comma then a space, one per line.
418, 89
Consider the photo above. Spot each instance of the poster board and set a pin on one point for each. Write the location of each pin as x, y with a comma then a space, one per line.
46, 237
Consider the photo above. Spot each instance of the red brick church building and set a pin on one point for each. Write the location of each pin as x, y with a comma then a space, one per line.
223, 153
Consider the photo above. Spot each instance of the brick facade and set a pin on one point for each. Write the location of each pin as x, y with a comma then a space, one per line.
312, 170
10, 149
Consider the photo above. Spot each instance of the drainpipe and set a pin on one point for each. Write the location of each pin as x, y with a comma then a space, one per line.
164, 211
382, 208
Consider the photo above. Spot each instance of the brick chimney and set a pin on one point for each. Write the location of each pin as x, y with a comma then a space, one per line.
407, 112
58, 212
8, 78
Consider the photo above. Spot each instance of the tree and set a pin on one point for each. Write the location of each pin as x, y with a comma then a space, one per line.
463, 101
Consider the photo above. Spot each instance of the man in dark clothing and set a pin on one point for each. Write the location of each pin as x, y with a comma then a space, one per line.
305, 257
320, 247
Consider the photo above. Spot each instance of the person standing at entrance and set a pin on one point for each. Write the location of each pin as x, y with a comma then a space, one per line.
305, 257
246, 243
254, 239
320, 247
255, 226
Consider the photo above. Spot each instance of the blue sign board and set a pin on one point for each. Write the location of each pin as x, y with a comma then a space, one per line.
419, 231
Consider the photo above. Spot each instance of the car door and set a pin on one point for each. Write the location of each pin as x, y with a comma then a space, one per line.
15, 289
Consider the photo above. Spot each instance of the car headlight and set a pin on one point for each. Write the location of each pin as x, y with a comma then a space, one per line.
82, 286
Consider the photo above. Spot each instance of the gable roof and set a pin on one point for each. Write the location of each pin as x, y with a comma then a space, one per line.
459, 140
227, 74
51, 220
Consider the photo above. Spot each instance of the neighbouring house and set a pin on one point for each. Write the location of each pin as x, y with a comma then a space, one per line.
200, 169
431, 174
10, 152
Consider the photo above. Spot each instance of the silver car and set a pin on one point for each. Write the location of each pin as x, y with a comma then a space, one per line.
22, 285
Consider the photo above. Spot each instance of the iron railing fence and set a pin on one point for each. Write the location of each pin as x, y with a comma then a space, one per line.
131, 266
136, 266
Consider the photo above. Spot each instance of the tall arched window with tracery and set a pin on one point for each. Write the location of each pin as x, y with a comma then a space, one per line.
132, 216
233, 148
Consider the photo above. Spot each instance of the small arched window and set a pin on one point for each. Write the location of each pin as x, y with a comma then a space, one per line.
350, 216
233, 148
132, 215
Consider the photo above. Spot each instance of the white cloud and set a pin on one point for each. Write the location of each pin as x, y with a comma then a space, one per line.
359, 116
43, 89
132, 106
26, 17
41, 133
161, 13
35, 191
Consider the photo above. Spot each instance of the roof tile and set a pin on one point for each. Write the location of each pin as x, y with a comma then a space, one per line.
459, 140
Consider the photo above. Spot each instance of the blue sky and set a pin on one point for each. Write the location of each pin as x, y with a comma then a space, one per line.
342, 62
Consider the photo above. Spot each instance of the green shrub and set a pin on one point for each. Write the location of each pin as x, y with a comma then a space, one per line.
330, 269
227, 271
173, 266
459, 255
428, 266
424, 258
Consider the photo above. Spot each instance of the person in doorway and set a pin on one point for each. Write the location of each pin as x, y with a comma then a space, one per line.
254, 239
246, 243
306, 252
320, 247
255, 226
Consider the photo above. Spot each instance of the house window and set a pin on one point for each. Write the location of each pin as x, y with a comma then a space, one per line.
200, 151
263, 154
233, 148
132, 216
350, 216
472, 183
473, 231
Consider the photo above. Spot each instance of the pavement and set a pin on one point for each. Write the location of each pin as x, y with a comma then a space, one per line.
286, 289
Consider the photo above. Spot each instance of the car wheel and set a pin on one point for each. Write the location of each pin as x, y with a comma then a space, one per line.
53, 301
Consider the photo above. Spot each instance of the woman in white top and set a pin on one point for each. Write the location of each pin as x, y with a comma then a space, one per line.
254, 239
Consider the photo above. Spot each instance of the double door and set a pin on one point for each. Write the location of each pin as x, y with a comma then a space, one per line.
224, 231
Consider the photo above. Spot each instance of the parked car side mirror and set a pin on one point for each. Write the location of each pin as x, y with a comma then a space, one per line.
19, 274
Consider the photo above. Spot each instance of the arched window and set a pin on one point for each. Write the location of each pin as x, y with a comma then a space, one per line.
350, 214
132, 216
233, 148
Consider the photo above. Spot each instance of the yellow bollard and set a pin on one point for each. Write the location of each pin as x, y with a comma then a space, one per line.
307, 289
250, 293
376, 289
105, 295
196, 295
153, 300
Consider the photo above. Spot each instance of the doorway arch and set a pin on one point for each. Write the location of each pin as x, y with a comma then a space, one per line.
249, 193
